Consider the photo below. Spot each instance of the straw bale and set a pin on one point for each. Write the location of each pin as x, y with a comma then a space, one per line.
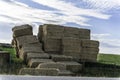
71, 32
26, 39
22, 30
84, 33
36, 56
89, 43
52, 45
39, 72
35, 62
61, 58
72, 65
59, 66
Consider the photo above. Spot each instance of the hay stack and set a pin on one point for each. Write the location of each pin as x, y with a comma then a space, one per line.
39, 72
22, 30
90, 50
72, 66
57, 58
52, 45
84, 34
33, 55
35, 62
51, 35
71, 47
71, 32
25, 42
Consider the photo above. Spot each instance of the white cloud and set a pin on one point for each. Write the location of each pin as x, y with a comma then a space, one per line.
69, 8
104, 4
16, 12
107, 45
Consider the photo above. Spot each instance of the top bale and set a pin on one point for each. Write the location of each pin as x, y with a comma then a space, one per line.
50, 30
71, 32
22, 30
84, 33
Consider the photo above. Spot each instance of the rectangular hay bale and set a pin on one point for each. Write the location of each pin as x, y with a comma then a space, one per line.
55, 65
22, 30
71, 32
72, 65
35, 62
52, 45
84, 33
50, 30
26, 39
36, 56
89, 43
25, 50
39, 72
89, 50
61, 58
70, 45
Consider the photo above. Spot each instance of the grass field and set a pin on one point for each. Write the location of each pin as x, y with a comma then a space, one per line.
12, 54
108, 65
10, 50
109, 59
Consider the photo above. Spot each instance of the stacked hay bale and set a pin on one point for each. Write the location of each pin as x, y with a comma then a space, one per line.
68, 41
30, 50
57, 50
71, 47
19, 31
61, 43
25, 42
51, 35
71, 43
76, 43
90, 50
84, 33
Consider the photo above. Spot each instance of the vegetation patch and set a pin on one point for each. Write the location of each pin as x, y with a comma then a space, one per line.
109, 59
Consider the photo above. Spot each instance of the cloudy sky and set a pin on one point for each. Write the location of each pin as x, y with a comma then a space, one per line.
101, 16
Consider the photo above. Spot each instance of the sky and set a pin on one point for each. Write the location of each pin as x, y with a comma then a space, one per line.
102, 17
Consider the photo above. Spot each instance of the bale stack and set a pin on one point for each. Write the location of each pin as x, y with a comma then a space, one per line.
51, 36
90, 49
84, 34
19, 31
69, 41
39, 72
25, 42
71, 47
71, 32
57, 51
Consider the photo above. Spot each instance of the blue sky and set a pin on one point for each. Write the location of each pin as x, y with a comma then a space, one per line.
101, 16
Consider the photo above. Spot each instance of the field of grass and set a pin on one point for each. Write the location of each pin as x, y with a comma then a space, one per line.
109, 59
108, 65
10, 50
12, 54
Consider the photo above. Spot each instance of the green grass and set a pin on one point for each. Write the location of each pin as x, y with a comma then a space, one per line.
15, 64
10, 50
109, 59
108, 65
